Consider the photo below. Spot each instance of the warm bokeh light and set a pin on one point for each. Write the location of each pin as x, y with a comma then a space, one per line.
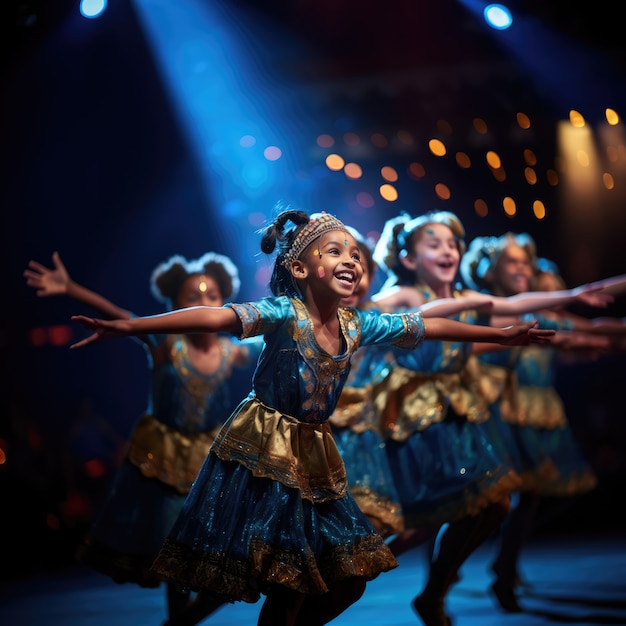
325, 141
334, 162
493, 159
442, 191
365, 200
480, 126
353, 171
59, 335
530, 157
612, 117
539, 209
481, 208
530, 175
523, 121
576, 119
388, 192
389, 173
437, 147
552, 177
37, 337
608, 180
379, 140
405, 137
463, 160
508, 204
416, 170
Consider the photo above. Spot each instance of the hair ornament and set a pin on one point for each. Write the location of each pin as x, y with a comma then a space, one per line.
318, 225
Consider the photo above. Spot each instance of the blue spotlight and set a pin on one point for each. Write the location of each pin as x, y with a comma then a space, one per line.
498, 16
92, 8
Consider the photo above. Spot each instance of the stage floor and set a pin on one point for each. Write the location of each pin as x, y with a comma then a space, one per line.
575, 579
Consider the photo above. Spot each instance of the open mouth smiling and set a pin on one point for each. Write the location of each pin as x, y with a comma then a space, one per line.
345, 276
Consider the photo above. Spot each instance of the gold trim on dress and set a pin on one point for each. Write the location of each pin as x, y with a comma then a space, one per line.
161, 452
280, 447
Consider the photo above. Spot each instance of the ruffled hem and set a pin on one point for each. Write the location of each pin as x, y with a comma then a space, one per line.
573, 485
244, 580
386, 516
535, 479
121, 568
470, 504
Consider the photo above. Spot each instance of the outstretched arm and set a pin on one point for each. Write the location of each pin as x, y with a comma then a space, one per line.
199, 319
404, 297
591, 294
57, 282
519, 334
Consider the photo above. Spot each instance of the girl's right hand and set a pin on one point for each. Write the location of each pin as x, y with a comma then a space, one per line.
104, 330
48, 282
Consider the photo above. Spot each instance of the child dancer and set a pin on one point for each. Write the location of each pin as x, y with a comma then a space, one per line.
190, 399
432, 412
355, 421
532, 425
270, 512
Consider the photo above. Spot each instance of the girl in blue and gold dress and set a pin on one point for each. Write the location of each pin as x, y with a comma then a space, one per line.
529, 418
270, 511
192, 382
447, 470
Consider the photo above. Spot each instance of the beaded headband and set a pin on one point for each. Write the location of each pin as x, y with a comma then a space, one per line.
319, 224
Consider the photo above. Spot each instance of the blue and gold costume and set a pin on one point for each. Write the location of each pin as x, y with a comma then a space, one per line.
444, 465
541, 408
271, 503
166, 450
356, 429
514, 440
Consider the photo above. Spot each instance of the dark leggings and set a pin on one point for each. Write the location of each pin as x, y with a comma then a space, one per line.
285, 607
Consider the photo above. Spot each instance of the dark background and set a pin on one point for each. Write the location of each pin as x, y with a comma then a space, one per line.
95, 164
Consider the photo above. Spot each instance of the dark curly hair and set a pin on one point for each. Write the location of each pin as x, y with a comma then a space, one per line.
167, 278
277, 237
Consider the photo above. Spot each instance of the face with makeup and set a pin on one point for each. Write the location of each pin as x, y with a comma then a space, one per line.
331, 264
433, 256
512, 272
361, 290
198, 290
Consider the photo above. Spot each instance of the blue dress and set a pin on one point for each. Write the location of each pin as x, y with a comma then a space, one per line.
271, 504
514, 441
356, 429
541, 408
432, 417
166, 450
